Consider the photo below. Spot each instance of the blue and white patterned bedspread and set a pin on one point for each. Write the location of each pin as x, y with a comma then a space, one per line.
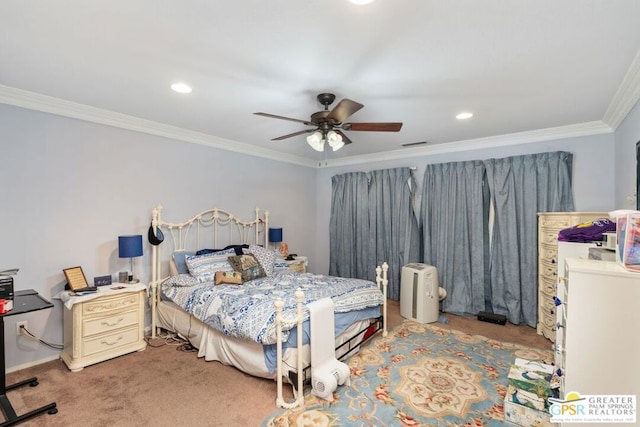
247, 311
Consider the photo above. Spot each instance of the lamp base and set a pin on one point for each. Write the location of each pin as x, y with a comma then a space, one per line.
133, 281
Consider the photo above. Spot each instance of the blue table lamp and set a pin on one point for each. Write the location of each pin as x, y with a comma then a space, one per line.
130, 247
275, 236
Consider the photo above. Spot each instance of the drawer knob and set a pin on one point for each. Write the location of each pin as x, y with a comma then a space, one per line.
114, 323
113, 342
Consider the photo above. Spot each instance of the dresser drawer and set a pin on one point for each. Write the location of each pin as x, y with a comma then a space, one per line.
547, 306
547, 271
113, 302
548, 236
109, 323
547, 286
107, 342
548, 253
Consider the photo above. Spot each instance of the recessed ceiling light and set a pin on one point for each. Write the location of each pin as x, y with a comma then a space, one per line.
361, 2
464, 116
181, 87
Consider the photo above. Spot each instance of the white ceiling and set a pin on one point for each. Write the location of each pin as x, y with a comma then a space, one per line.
518, 65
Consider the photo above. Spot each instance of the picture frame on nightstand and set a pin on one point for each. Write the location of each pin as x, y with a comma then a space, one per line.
75, 278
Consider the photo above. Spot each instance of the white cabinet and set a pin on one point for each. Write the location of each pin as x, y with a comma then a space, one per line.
600, 315
103, 327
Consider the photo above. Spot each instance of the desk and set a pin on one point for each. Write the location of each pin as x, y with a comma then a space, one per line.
23, 302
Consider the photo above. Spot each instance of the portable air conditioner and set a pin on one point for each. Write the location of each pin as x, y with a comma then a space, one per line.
419, 293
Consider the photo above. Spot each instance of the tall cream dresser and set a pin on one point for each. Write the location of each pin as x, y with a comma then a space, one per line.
549, 224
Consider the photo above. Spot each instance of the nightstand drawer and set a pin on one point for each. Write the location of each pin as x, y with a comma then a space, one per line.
299, 264
298, 267
112, 302
105, 343
106, 324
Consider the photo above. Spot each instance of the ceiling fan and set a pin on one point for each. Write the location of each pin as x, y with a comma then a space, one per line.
328, 126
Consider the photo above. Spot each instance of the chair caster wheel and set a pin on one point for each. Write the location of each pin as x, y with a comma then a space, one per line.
52, 411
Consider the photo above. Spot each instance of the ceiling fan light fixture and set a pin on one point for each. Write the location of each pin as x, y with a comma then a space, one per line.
335, 140
316, 141
361, 2
464, 115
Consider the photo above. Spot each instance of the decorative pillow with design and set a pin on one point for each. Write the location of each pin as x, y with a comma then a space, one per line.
204, 267
266, 257
247, 265
232, 277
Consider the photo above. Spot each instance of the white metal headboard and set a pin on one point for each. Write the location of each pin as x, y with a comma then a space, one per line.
212, 228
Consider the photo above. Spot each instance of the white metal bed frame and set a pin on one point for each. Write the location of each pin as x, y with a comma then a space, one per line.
239, 232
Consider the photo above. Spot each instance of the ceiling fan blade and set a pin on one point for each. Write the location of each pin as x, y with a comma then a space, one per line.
373, 127
345, 139
344, 109
273, 116
280, 138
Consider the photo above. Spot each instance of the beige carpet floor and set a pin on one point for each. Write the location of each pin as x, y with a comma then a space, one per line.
162, 386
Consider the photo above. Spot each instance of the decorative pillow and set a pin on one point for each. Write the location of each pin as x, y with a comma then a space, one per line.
204, 267
247, 265
232, 277
180, 262
266, 257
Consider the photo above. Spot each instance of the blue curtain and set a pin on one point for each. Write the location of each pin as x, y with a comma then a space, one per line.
455, 232
520, 187
372, 221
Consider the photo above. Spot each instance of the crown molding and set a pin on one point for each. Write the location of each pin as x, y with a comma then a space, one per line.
61, 107
626, 96
561, 132
35, 101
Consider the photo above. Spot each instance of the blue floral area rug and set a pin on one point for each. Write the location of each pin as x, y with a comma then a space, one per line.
419, 375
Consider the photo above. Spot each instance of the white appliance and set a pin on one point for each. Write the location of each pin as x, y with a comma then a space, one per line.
327, 372
419, 293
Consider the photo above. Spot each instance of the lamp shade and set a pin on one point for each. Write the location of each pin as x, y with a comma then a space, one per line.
275, 235
130, 246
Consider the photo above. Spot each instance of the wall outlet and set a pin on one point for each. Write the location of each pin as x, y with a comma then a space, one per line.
19, 325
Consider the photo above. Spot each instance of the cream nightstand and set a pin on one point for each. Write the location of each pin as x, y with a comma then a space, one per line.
104, 325
299, 264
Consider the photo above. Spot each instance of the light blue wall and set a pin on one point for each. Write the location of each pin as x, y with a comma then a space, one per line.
627, 134
593, 185
69, 188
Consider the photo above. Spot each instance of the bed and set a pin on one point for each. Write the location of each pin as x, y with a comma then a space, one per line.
254, 325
